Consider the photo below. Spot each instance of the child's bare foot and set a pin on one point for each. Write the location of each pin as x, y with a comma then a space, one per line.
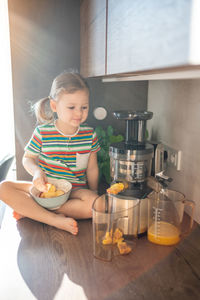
17, 216
67, 224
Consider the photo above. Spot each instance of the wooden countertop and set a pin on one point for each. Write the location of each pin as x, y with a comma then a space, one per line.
44, 263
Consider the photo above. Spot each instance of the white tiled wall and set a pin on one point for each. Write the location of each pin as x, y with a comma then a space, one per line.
176, 122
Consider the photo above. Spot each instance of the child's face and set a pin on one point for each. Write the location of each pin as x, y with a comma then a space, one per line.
72, 109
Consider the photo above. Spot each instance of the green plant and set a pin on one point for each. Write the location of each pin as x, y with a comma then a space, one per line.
106, 138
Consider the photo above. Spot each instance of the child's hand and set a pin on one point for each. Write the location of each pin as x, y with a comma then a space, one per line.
40, 180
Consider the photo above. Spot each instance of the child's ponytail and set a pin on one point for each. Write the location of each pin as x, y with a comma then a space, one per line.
43, 111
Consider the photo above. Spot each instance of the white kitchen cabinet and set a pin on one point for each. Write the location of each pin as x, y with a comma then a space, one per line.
93, 37
145, 37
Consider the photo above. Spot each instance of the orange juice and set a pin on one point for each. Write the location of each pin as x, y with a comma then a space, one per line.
163, 233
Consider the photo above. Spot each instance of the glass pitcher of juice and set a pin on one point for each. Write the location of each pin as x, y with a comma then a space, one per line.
165, 216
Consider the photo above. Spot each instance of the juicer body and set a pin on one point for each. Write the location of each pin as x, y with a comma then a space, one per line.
133, 166
131, 162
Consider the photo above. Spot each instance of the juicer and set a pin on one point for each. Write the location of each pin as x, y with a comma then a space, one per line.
131, 162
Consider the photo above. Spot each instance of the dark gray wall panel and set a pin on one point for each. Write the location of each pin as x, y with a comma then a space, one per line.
45, 40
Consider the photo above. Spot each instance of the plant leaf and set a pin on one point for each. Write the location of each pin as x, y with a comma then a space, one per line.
103, 133
98, 131
110, 130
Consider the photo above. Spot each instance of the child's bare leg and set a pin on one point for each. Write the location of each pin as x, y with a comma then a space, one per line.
79, 205
16, 195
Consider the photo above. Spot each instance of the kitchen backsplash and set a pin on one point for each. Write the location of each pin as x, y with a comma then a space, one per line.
176, 122
116, 96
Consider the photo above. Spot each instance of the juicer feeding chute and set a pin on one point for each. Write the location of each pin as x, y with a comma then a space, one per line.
135, 125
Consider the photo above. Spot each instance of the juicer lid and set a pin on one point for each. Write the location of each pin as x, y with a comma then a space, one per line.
118, 149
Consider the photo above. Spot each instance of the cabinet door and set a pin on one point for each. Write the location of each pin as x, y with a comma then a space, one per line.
147, 34
93, 37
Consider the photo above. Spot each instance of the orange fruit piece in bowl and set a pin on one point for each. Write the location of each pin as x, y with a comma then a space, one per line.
50, 187
52, 192
59, 193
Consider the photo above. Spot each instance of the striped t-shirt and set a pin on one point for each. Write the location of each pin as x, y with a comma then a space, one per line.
63, 157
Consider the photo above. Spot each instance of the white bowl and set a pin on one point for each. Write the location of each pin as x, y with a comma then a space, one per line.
54, 202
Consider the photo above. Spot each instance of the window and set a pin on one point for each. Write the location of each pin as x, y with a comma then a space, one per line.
6, 95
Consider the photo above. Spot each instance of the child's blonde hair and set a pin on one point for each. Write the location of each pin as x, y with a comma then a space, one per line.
68, 82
